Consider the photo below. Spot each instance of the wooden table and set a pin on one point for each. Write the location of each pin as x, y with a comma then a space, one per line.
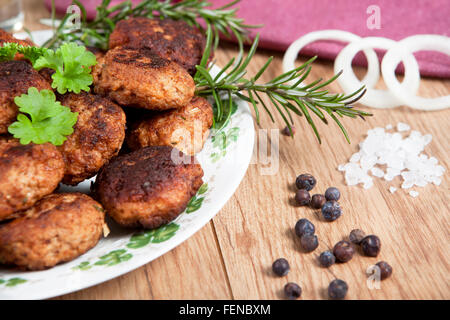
231, 257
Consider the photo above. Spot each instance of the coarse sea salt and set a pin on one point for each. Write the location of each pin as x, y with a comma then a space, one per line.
399, 155
413, 193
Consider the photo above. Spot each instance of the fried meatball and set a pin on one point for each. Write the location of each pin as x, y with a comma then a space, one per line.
8, 37
174, 40
146, 187
140, 78
99, 53
58, 228
185, 129
15, 79
98, 135
27, 174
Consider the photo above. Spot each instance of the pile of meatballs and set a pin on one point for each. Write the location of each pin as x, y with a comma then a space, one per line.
140, 115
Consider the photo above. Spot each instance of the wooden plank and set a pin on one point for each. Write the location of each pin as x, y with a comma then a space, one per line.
256, 226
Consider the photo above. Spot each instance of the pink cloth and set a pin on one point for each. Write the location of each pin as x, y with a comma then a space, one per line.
286, 20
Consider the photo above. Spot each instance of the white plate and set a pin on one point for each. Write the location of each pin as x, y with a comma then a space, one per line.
124, 250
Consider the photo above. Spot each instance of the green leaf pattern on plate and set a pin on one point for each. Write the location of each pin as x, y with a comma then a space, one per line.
164, 233
114, 257
110, 259
12, 282
221, 140
196, 201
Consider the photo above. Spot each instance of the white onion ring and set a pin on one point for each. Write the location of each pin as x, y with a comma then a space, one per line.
375, 98
373, 72
400, 50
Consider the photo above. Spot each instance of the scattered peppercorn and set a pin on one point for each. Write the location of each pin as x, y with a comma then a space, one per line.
356, 235
371, 245
309, 242
281, 267
302, 197
327, 259
305, 181
343, 251
337, 289
287, 132
304, 226
317, 201
331, 210
332, 193
385, 269
292, 290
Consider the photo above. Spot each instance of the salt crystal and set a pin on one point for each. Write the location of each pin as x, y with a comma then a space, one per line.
355, 157
389, 127
402, 127
402, 156
413, 193
377, 172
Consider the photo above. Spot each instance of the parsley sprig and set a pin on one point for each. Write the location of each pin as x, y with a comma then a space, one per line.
71, 62
47, 120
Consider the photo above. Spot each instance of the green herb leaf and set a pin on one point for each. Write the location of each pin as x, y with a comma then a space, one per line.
48, 120
72, 64
8, 51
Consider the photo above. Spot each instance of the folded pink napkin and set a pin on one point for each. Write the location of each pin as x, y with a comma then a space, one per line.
286, 20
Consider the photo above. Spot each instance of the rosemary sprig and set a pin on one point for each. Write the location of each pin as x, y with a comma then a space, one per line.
285, 92
96, 32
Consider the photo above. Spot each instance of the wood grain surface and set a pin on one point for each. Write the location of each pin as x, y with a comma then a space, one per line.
231, 257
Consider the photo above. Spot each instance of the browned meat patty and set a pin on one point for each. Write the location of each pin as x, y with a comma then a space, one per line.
146, 187
98, 135
15, 79
174, 40
140, 78
185, 129
8, 37
27, 174
58, 228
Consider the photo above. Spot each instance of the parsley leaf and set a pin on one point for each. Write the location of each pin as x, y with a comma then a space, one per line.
8, 51
72, 65
50, 121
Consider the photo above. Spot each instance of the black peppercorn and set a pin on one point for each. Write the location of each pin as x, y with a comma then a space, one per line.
305, 181
343, 251
287, 132
309, 242
332, 193
337, 289
281, 267
317, 201
304, 226
327, 259
302, 197
356, 235
371, 245
385, 270
292, 291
